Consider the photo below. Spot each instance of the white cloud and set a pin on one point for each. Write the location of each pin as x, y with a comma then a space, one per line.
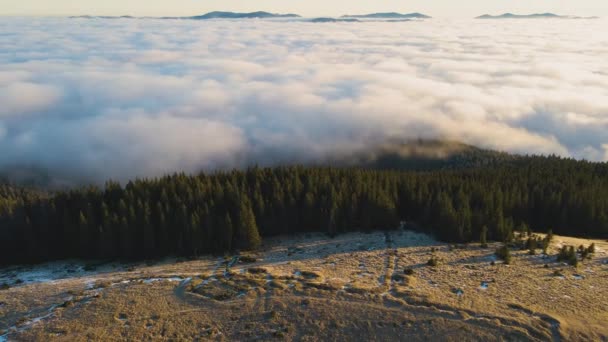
125, 98
21, 98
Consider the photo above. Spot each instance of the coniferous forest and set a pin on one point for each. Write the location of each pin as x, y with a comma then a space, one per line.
185, 215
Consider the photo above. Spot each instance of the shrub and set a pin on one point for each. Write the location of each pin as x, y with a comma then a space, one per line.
67, 304
398, 277
433, 261
310, 275
4, 286
89, 268
408, 271
257, 270
247, 259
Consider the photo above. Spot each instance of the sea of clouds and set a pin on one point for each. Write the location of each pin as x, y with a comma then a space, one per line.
97, 99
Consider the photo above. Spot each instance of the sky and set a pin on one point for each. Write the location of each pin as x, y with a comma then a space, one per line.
438, 8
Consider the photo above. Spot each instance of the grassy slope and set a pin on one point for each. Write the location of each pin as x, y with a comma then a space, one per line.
346, 288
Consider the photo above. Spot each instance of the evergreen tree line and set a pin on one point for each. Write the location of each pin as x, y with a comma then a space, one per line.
213, 213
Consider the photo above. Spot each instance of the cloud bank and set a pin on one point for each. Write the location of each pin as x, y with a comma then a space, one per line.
98, 99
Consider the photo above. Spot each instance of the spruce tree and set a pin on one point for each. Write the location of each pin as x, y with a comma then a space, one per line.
249, 237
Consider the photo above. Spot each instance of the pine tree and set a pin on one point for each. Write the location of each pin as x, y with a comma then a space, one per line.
83, 231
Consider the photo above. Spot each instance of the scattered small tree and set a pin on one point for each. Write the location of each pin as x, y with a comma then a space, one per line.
568, 254
504, 254
483, 236
433, 261
549, 236
547, 241
525, 229
581, 249
531, 246
587, 252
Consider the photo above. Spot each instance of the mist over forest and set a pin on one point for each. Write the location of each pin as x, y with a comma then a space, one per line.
89, 100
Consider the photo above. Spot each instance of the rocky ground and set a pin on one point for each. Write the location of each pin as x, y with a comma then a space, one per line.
374, 287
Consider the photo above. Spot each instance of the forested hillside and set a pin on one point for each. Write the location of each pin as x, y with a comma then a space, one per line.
213, 213
426, 155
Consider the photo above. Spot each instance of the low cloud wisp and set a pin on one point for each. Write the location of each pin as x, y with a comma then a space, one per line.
97, 99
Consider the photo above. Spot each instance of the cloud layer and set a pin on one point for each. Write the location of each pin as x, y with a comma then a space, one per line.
97, 99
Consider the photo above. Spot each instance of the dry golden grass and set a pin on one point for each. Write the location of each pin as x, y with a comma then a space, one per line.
353, 287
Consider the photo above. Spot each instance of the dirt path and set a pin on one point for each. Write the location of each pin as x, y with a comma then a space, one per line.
180, 290
553, 322
391, 261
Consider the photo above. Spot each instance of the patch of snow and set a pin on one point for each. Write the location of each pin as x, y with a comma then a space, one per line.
154, 280
484, 285
208, 280
365, 274
184, 282
578, 277
48, 272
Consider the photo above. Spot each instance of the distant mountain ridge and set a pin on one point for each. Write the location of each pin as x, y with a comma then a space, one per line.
268, 15
389, 15
206, 16
530, 16
235, 15
427, 155
334, 20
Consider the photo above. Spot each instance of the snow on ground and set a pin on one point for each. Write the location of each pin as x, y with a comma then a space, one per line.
53, 271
